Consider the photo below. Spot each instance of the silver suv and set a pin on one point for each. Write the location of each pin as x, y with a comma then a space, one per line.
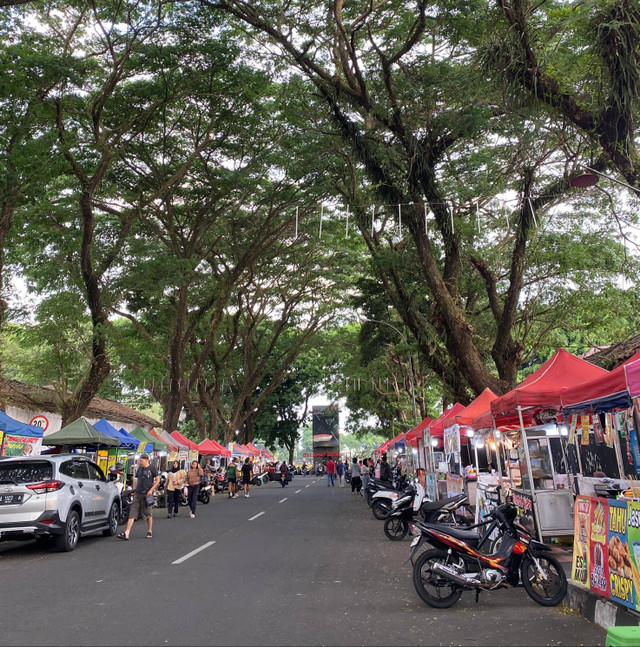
62, 495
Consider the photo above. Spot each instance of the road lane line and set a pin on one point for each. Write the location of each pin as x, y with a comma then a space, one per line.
193, 552
307, 485
255, 516
296, 492
283, 500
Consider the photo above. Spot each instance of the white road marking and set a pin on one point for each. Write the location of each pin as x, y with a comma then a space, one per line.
307, 485
193, 552
283, 500
255, 516
296, 492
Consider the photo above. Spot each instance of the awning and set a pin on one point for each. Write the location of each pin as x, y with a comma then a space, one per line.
605, 392
172, 442
446, 419
417, 432
106, 428
171, 446
79, 434
185, 441
13, 427
156, 444
543, 387
210, 447
477, 407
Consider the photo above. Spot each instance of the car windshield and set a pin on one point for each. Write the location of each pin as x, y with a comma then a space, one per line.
25, 471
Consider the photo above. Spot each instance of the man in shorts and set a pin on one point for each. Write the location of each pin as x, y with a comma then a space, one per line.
147, 481
232, 478
247, 475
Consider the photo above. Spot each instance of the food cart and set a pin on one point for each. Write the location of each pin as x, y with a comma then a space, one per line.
529, 433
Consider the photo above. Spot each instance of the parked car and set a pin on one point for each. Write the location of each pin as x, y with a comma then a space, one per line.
63, 496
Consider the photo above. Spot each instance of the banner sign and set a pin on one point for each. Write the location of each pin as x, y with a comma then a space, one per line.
606, 548
455, 484
21, 445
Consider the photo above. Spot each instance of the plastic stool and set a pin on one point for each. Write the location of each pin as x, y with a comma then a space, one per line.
623, 637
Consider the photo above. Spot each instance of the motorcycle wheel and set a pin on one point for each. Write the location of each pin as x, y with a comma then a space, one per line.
396, 529
204, 498
547, 588
380, 510
435, 590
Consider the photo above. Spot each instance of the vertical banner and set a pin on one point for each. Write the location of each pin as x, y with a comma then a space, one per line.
598, 551
580, 567
455, 484
621, 588
633, 538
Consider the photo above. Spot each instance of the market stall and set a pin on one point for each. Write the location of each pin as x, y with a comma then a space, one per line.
120, 454
81, 434
194, 449
526, 428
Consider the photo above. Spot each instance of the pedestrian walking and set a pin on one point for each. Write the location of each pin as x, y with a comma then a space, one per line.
331, 472
247, 475
175, 484
356, 480
193, 483
340, 472
147, 481
232, 479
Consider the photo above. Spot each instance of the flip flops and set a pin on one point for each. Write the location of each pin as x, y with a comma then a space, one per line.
122, 536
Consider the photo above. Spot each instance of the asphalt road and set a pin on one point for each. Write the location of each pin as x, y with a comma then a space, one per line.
303, 565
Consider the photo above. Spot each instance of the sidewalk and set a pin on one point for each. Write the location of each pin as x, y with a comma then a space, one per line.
588, 604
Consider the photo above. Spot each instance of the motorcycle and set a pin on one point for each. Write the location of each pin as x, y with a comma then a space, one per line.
220, 483
283, 479
456, 563
405, 509
204, 494
382, 499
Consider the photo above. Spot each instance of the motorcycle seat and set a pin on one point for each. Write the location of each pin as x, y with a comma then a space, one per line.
470, 537
429, 506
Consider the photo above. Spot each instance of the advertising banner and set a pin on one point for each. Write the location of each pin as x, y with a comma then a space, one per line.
524, 502
621, 587
599, 549
455, 484
22, 446
580, 566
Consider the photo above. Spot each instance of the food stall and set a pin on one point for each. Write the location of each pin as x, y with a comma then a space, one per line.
529, 433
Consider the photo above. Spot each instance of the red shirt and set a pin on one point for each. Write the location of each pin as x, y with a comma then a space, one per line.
331, 467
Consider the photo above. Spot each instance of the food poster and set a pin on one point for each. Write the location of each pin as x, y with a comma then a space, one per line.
598, 552
621, 581
582, 517
22, 445
633, 537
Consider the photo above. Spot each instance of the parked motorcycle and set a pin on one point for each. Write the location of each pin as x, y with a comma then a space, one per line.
405, 509
456, 562
126, 499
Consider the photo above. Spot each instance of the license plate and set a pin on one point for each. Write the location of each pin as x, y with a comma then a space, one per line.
9, 499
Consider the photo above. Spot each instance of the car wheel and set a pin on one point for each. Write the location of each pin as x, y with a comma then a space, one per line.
68, 540
113, 519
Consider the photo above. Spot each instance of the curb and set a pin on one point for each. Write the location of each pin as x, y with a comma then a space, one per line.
599, 610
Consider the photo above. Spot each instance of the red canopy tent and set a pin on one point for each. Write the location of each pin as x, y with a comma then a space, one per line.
171, 447
413, 435
477, 407
540, 389
185, 441
605, 389
253, 448
446, 419
210, 447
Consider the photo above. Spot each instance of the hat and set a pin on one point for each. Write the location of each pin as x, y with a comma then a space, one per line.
144, 456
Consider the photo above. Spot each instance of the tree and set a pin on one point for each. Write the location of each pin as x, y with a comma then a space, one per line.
422, 132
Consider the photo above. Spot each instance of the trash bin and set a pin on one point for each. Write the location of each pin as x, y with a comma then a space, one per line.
623, 637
